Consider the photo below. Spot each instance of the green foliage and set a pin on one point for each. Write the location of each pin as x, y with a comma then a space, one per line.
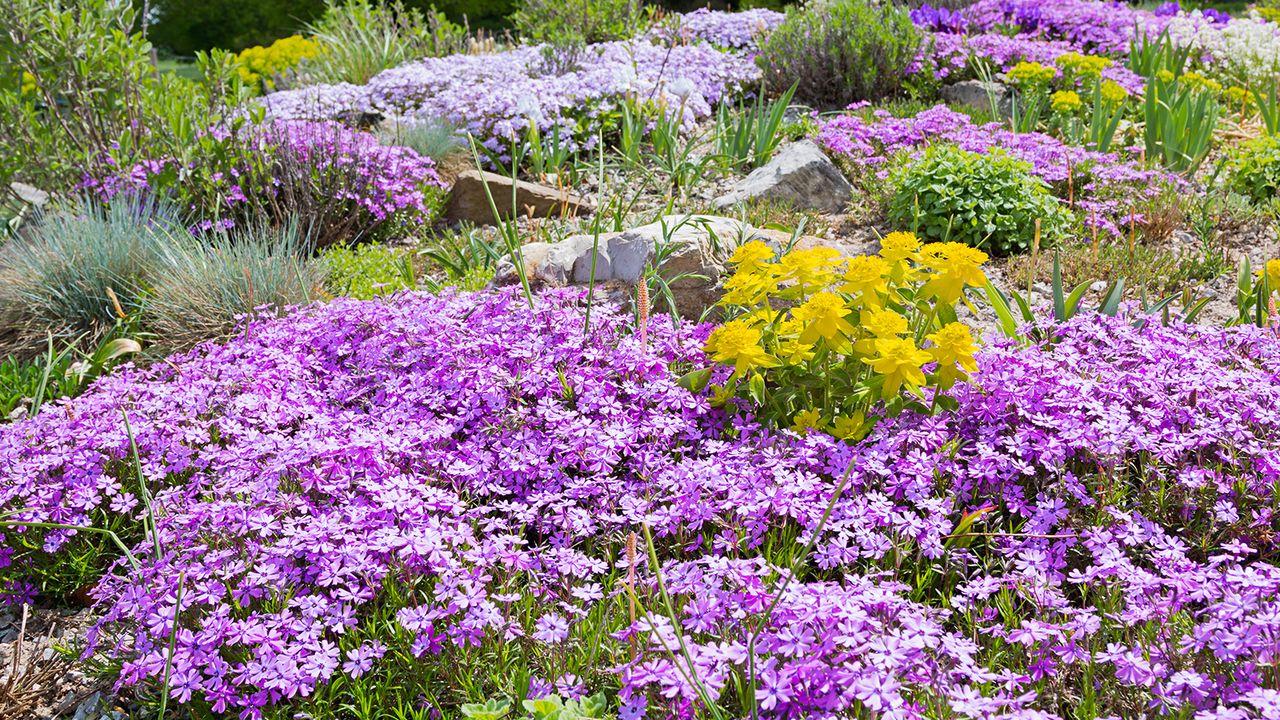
1253, 169
25, 385
990, 201
79, 95
368, 271
579, 21
1179, 118
185, 27
1255, 293
566, 27
205, 285
80, 273
466, 260
361, 38
747, 137
553, 708
840, 52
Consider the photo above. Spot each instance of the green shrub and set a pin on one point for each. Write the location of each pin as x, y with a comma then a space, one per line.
566, 27
840, 52
990, 201
205, 286
1253, 169
368, 271
79, 96
361, 39
185, 27
79, 273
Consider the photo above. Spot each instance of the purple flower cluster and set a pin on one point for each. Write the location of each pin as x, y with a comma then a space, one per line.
1105, 27
950, 56
941, 19
1101, 509
738, 30
1104, 185
497, 96
238, 173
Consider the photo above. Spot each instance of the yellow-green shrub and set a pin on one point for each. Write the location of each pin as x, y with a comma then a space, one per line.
265, 66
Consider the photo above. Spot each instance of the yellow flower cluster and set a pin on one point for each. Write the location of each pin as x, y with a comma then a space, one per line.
262, 65
1032, 74
28, 83
817, 338
1272, 271
1196, 81
1113, 92
1074, 64
1065, 101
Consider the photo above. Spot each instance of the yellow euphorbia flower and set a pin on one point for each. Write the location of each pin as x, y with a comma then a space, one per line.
899, 246
811, 269
884, 323
865, 276
847, 427
738, 342
1113, 92
752, 255
1272, 271
823, 317
955, 266
1065, 101
806, 420
899, 361
953, 346
750, 286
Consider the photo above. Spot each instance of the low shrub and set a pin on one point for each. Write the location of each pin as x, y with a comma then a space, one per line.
79, 95
986, 200
840, 52
564, 22
360, 38
206, 286
1253, 169
368, 270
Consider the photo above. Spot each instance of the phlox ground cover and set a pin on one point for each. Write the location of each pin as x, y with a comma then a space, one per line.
447, 498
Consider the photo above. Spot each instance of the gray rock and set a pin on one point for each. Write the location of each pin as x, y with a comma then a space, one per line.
799, 174
694, 251
978, 95
29, 194
468, 201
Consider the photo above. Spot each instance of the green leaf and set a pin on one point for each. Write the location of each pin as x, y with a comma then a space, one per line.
695, 381
1111, 301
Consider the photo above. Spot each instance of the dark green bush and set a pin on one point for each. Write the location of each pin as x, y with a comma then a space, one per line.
990, 201
185, 27
840, 52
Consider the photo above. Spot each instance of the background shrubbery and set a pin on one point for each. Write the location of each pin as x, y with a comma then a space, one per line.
841, 52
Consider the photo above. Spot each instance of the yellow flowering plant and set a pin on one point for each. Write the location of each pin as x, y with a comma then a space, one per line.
265, 67
821, 342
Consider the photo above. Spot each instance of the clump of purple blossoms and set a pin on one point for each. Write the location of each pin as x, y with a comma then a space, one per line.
495, 97
1105, 186
1101, 506
1090, 25
307, 167
736, 30
939, 19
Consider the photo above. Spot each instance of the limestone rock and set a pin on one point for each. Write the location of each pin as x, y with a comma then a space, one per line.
468, 201
799, 174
